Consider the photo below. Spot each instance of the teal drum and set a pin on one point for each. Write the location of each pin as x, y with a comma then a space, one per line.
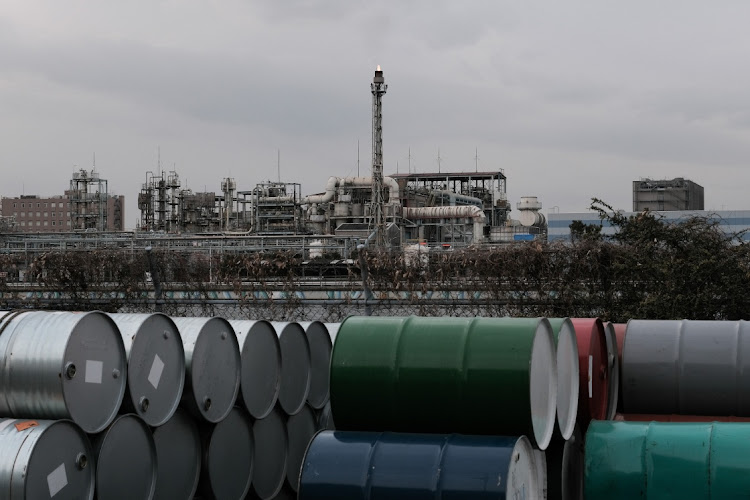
656, 460
352, 465
445, 375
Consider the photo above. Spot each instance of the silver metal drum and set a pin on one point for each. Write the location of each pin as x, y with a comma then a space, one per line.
261, 365
43, 459
125, 460
228, 450
156, 365
320, 362
333, 330
62, 365
212, 366
178, 457
295, 366
300, 427
269, 434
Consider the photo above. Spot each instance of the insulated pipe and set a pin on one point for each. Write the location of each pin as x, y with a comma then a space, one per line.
295, 366
156, 365
655, 460
334, 182
125, 460
62, 365
43, 459
459, 212
320, 363
178, 457
260, 367
212, 366
387, 466
440, 375
454, 197
228, 451
270, 454
687, 367
568, 376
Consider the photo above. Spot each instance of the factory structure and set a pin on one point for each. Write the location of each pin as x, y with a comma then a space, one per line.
459, 208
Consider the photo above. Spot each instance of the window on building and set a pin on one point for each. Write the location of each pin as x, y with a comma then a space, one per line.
46, 214
68, 214
45, 223
23, 205
53, 204
23, 222
38, 205
14, 205
68, 223
38, 223
38, 214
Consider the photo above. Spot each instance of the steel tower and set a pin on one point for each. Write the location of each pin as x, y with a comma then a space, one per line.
378, 88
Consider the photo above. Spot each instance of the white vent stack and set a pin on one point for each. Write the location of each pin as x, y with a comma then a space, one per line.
530, 208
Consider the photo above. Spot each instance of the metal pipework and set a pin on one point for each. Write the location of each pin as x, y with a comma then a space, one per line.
295, 366
57, 365
260, 377
320, 363
125, 460
440, 375
687, 367
353, 182
156, 365
380, 466
654, 460
178, 457
43, 459
212, 366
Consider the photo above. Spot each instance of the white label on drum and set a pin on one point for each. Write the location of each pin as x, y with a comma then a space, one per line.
5, 424
591, 367
57, 480
155, 374
94, 371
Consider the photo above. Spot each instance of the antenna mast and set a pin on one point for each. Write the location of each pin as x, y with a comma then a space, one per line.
378, 88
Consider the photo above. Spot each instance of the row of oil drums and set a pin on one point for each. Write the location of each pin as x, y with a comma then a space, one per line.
465, 408
148, 406
455, 408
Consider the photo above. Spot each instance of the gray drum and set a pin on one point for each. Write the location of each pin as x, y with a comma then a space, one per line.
333, 330
178, 457
61, 365
156, 365
687, 367
125, 460
43, 459
269, 434
320, 362
295, 366
261, 365
324, 418
228, 450
212, 366
300, 428
613, 363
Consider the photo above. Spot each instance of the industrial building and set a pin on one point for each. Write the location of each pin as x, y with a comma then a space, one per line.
86, 205
667, 195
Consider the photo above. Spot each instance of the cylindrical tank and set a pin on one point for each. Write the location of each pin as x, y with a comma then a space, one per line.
156, 365
43, 459
228, 450
387, 466
620, 335
613, 370
341, 210
301, 427
568, 375
212, 366
564, 461
261, 365
270, 454
442, 375
333, 330
593, 394
57, 365
325, 418
125, 460
687, 367
320, 344
655, 460
295, 366
178, 457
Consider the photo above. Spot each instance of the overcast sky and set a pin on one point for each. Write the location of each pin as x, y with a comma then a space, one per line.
571, 99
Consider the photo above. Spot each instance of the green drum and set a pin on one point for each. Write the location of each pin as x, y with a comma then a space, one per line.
445, 375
